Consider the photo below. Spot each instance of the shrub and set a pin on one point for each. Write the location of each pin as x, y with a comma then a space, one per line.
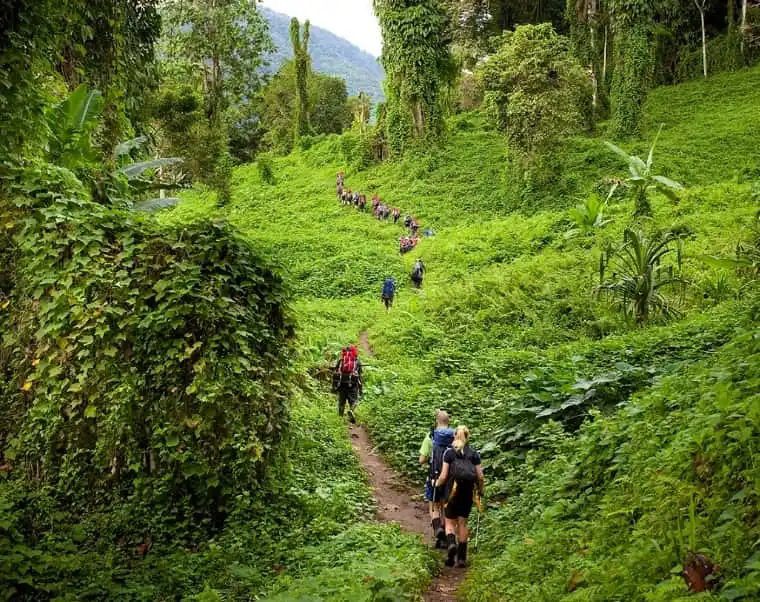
640, 277
144, 364
535, 90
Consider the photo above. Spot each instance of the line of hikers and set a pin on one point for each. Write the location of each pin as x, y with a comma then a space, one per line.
454, 481
382, 212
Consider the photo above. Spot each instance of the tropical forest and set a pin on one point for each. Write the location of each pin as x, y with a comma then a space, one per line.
477, 320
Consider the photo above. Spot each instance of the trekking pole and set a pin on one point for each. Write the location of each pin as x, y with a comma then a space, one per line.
477, 523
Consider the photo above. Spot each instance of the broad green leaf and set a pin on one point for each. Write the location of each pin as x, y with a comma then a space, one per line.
135, 170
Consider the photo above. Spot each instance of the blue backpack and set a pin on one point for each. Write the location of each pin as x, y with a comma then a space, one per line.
389, 288
442, 440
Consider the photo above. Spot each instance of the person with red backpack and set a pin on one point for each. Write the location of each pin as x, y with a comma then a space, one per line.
462, 474
347, 381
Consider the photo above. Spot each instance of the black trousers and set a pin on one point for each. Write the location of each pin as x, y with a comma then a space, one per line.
347, 394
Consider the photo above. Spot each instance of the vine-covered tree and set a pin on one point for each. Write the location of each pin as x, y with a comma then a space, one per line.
632, 22
418, 66
302, 69
327, 106
536, 91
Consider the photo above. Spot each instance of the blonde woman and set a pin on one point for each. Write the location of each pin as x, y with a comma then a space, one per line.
463, 473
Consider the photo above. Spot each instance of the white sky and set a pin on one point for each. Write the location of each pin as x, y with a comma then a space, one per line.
349, 19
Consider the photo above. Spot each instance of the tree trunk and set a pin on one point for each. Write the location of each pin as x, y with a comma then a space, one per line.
701, 9
419, 119
604, 57
744, 24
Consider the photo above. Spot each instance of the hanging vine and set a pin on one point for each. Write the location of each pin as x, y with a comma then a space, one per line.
418, 66
634, 62
302, 62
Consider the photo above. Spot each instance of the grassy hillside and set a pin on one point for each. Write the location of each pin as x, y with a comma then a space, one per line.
597, 497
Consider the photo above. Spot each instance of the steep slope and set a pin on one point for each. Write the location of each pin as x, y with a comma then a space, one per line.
330, 54
597, 497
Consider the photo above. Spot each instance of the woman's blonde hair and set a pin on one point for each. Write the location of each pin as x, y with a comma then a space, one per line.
461, 436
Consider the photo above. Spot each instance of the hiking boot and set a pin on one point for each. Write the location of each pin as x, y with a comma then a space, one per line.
440, 539
439, 534
351, 417
452, 551
462, 555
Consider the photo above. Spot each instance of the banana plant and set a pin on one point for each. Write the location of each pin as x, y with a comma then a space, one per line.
642, 181
72, 123
135, 178
590, 214
640, 277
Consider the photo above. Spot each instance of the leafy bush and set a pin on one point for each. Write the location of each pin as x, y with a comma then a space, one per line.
639, 276
266, 169
589, 214
535, 90
142, 363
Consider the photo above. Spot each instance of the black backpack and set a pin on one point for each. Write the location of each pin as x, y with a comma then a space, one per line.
463, 471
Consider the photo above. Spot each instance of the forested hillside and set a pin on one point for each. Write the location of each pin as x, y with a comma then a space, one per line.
178, 279
509, 336
331, 54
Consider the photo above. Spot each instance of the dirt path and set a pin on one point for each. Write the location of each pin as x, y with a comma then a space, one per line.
398, 502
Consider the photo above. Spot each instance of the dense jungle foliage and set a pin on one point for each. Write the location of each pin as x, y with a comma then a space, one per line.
167, 317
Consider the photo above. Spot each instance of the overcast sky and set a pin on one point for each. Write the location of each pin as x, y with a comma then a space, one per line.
349, 19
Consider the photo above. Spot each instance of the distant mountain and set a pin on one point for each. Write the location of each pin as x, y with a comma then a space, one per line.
330, 54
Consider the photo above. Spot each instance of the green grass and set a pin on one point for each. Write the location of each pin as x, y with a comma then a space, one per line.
507, 321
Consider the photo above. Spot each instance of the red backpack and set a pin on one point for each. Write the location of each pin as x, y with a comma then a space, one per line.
348, 359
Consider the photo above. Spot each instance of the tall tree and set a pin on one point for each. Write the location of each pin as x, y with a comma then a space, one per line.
225, 41
218, 47
302, 64
418, 66
634, 61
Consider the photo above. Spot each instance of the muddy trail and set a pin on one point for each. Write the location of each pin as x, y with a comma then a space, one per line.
398, 502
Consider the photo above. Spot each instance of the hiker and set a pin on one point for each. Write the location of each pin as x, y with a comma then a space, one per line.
396, 214
406, 244
389, 292
347, 381
407, 221
462, 474
363, 202
414, 226
375, 203
418, 271
432, 451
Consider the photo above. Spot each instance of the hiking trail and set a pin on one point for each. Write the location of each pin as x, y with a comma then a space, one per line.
398, 502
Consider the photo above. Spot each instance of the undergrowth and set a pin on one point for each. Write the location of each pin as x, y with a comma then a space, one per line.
611, 450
